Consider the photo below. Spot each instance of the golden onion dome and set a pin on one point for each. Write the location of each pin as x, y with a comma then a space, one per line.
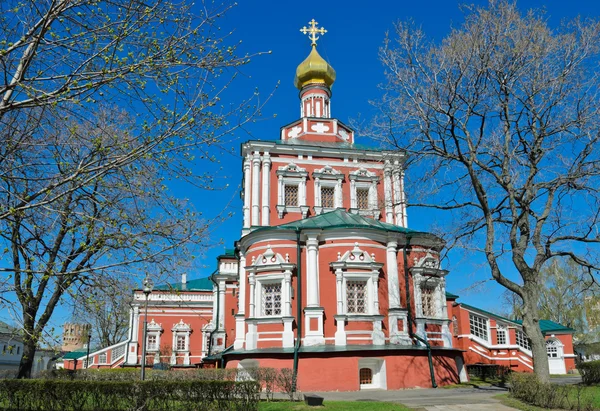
314, 70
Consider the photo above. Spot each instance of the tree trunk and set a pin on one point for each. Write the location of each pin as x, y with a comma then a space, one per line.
29, 347
531, 326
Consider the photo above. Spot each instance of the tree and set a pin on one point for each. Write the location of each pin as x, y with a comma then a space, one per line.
565, 298
101, 104
105, 305
502, 119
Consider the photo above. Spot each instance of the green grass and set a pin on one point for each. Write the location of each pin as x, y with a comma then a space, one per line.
509, 401
588, 394
332, 405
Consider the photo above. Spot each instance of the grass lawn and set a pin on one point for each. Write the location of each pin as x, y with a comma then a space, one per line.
591, 394
332, 405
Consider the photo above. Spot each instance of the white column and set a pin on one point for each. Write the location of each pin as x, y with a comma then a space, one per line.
375, 281
338, 195
251, 282
397, 197
287, 298
222, 286
266, 192
392, 274
247, 190
214, 310
352, 194
317, 186
255, 188
387, 188
339, 276
242, 284
312, 277
403, 202
135, 323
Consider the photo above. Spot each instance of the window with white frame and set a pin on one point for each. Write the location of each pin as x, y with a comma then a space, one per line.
271, 299
102, 358
291, 195
356, 297
327, 197
501, 335
552, 349
522, 340
362, 198
478, 326
180, 343
152, 343
428, 304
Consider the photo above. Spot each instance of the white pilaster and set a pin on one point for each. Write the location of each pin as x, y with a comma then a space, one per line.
392, 274
255, 188
312, 277
252, 335
339, 278
266, 192
387, 188
247, 190
222, 290
240, 319
397, 197
403, 202
132, 347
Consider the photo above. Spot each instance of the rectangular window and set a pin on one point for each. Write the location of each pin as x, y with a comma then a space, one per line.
271, 299
479, 326
356, 297
501, 334
291, 195
428, 302
152, 343
362, 198
180, 343
102, 358
522, 340
327, 197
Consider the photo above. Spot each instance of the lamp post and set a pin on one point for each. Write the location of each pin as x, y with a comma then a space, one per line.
147, 290
89, 337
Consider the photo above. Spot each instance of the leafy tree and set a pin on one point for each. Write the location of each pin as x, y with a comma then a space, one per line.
101, 104
502, 118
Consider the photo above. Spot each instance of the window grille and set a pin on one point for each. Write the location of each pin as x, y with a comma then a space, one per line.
291, 195
180, 343
522, 340
478, 326
327, 197
102, 358
362, 198
428, 302
356, 297
501, 334
152, 343
366, 376
552, 349
271, 299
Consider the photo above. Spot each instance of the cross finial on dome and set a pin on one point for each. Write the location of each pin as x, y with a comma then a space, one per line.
312, 31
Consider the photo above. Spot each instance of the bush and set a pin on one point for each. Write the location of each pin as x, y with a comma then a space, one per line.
82, 395
590, 372
528, 388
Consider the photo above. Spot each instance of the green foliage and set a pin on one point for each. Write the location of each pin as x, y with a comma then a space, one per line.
528, 388
33, 395
590, 372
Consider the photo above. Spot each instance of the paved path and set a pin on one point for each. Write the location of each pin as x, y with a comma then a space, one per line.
455, 399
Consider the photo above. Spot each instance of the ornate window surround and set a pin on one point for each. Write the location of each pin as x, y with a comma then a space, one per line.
154, 329
502, 328
364, 179
181, 329
291, 174
426, 273
328, 177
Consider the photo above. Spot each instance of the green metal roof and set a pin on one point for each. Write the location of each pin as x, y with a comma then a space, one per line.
549, 327
450, 295
73, 355
199, 284
489, 313
339, 218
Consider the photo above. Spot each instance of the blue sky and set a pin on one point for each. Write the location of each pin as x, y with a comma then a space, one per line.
356, 30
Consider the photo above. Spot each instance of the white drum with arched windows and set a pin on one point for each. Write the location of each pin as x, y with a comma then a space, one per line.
556, 358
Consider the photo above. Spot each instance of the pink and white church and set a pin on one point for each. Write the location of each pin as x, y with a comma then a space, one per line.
327, 277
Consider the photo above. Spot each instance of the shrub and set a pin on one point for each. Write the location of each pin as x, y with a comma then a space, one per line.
34, 395
590, 372
285, 382
528, 388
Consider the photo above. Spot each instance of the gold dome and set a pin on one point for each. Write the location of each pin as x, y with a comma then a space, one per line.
314, 70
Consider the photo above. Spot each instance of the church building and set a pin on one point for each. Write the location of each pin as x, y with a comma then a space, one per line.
327, 278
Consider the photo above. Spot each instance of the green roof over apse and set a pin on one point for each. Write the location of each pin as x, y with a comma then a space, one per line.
549, 327
199, 284
339, 218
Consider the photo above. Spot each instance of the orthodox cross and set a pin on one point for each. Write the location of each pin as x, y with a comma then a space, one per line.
312, 31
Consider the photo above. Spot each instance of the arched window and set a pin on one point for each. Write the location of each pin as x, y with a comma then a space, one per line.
366, 376
552, 347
